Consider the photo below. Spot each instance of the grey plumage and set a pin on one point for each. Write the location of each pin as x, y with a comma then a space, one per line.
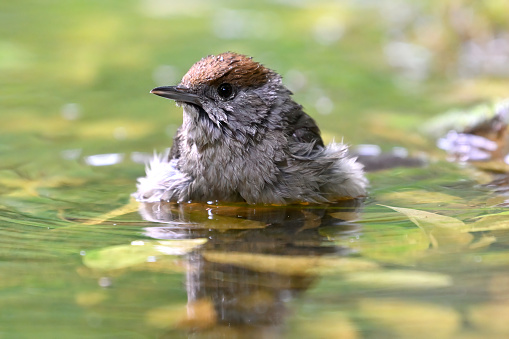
255, 144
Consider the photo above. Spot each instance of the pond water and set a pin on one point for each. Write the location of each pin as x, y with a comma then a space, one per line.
425, 255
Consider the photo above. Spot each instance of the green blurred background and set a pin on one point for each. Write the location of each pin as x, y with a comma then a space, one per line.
76, 75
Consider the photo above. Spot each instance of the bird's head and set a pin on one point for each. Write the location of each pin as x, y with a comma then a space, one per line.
231, 93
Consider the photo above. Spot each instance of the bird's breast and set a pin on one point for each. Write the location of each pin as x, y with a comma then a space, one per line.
231, 167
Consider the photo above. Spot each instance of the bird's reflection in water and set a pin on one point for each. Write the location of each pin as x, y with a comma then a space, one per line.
256, 259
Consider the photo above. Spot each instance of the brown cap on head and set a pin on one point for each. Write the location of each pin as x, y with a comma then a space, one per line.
233, 68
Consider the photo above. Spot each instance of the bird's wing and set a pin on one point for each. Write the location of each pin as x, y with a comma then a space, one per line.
302, 128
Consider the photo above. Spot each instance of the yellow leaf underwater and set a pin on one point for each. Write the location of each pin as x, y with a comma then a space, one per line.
131, 206
199, 314
166, 317
399, 246
443, 232
290, 265
139, 252
483, 242
493, 222
117, 257
428, 219
399, 279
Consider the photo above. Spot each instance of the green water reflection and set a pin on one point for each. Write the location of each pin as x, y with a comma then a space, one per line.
80, 259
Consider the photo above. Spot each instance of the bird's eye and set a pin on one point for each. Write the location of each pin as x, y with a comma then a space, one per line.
225, 90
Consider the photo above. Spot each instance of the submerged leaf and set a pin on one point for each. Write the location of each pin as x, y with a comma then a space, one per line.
428, 219
483, 242
166, 316
399, 279
290, 265
116, 257
199, 314
179, 247
123, 256
131, 206
493, 222
442, 231
398, 245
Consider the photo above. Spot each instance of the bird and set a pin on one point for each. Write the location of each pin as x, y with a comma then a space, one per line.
244, 139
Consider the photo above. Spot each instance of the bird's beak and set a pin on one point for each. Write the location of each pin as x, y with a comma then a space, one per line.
177, 93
